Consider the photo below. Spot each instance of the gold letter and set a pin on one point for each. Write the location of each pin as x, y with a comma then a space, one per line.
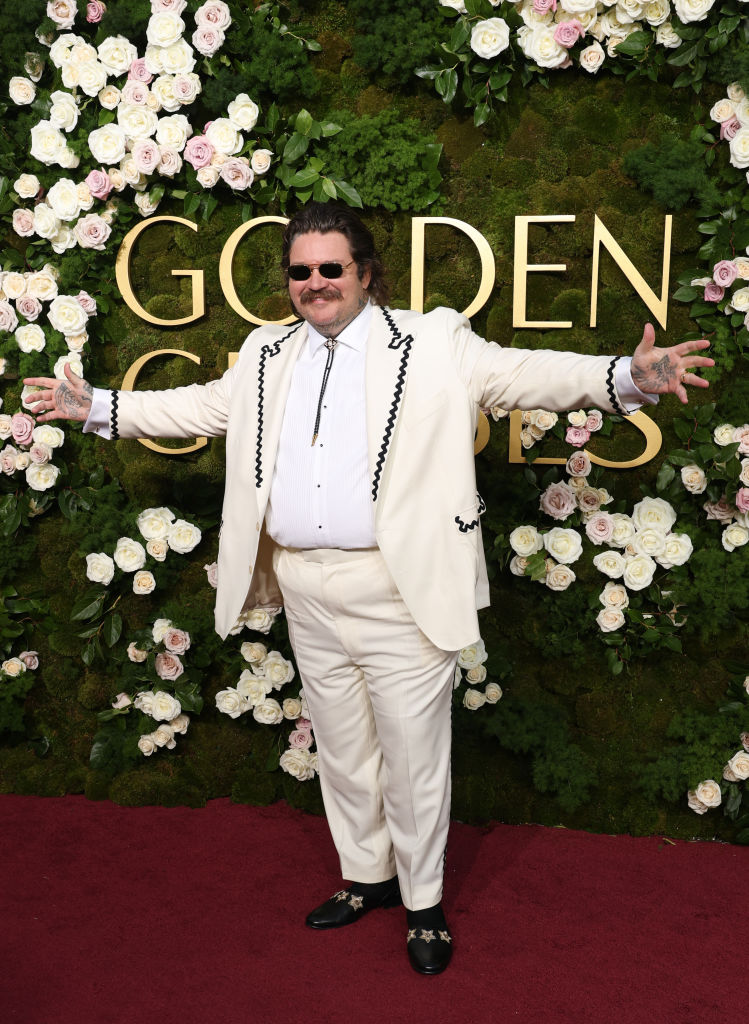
418, 225
522, 267
658, 307
122, 273
225, 270
653, 438
128, 384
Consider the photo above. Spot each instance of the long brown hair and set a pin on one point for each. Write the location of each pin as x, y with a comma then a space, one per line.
326, 217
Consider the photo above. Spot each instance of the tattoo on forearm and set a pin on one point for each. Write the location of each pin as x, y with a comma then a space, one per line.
656, 377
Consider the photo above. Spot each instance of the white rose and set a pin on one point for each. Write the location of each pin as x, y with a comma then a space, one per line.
134, 652
42, 284
298, 763
13, 285
186, 88
231, 703
254, 688
473, 699
268, 712
655, 513
163, 89
723, 110
67, 315
164, 737
650, 542
41, 478
738, 766
277, 670
207, 176
46, 224
254, 653
122, 700
129, 554
99, 568
177, 59
473, 655
22, 91
92, 77
5, 426
45, 433
64, 200
155, 523
146, 744
143, 582
610, 619
638, 572
489, 38
565, 546
107, 144
47, 142
708, 793
578, 418
160, 628
164, 28
136, 121
723, 434
180, 723
243, 113
165, 707
143, 701
110, 97
27, 186
493, 693
734, 536
224, 137
656, 12
692, 10
559, 577
62, 12
518, 565
476, 675
614, 595
260, 162
739, 149
64, 111
13, 667
183, 537
525, 541
693, 478
23, 461
30, 338
173, 132
677, 550
117, 53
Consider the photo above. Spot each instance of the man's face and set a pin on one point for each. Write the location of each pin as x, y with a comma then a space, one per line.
329, 305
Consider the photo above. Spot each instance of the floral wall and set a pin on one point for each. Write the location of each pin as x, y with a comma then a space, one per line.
609, 690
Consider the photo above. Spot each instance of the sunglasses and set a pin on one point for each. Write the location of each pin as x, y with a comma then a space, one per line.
330, 271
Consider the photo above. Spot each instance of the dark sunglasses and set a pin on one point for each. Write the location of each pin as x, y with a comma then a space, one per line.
330, 271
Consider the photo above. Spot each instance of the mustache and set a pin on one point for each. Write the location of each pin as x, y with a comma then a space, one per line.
320, 293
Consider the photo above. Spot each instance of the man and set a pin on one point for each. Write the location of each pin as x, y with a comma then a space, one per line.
351, 498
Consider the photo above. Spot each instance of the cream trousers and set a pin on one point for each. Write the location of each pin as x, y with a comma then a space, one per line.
379, 695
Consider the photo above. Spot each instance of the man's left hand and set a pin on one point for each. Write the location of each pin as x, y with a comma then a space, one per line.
656, 371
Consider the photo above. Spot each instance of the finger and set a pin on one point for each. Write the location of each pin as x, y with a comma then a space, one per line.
72, 377
694, 381
41, 382
699, 361
648, 337
690, 346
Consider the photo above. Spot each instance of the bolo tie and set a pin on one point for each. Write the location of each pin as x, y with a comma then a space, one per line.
330, 344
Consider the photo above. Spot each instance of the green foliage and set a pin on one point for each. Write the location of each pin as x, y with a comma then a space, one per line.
395, 38
391, 162
673, 171
269, 67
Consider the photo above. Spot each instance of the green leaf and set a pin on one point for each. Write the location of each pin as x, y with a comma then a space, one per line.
313, 45
635, 44
304, 122
348, 193
304, 178
682, 56
329, 188
191, 204
295, 147
665, 475
446, 84
481, 114
87, 607
112, 630
687, 294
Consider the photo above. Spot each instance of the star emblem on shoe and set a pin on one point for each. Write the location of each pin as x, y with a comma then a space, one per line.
342, 895
357, 902
445, 936
411, 934
427, 935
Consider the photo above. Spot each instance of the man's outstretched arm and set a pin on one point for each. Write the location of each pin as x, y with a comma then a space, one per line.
658, 371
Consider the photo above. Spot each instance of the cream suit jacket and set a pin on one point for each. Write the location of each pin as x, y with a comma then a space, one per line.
426, 378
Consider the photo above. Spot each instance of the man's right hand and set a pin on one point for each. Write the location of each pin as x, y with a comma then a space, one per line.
60, 399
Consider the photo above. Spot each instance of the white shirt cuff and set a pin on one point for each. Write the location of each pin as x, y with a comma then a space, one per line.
100, 415
630, 396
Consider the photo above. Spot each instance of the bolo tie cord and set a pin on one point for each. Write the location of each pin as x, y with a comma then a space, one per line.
330, 345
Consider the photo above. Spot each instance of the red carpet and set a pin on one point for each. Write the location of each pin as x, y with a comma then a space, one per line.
115, 915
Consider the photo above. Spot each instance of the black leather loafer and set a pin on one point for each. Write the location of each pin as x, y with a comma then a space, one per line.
429, 943
349, 905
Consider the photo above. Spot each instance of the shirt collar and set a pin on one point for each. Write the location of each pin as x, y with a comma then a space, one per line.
354, 335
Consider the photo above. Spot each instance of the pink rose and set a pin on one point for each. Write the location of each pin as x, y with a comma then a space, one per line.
719, 510
8, 460
146, 155
567, 33
29, 307
21, 428
742, 499
86, 302
577, 436
8, 318
30, 659
600, 527
744, 738
236, 173
300, 739
578, 464
729, 128
23, 222
741, 434
303, 724
214, 12
170, 162
40, 453
206, 39
95, 11
212, 574
594, 421
713, 292
176, 641
99, 184
175, 6
92, 231
725, 273
135, 92
198, 151
139, 72
168, 666
558, 501
542, 6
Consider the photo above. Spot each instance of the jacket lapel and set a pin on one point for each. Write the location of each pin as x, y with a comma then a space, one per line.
388, 352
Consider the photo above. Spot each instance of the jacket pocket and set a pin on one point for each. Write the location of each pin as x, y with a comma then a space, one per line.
468, 520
